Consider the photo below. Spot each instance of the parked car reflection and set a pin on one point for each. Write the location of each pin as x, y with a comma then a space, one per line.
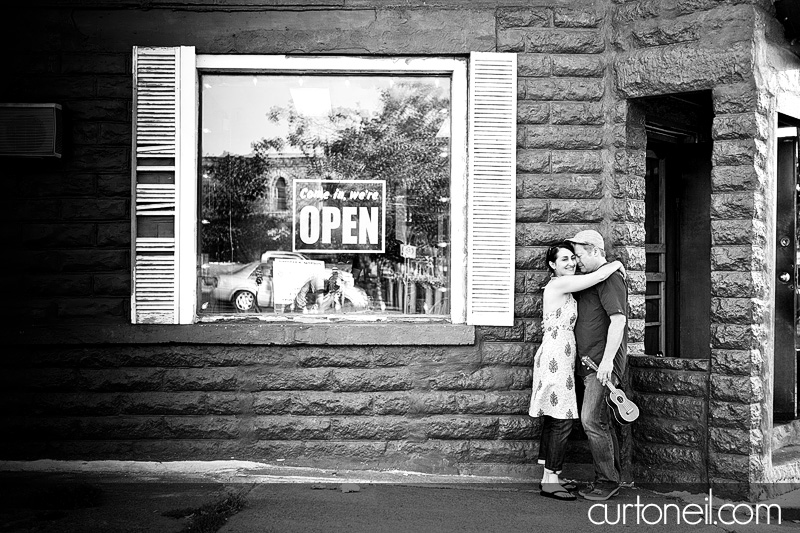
249, 287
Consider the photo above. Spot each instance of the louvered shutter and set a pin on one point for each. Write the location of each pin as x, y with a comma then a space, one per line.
491, 191
162, 179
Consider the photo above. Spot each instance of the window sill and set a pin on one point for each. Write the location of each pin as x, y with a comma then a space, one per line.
256, 333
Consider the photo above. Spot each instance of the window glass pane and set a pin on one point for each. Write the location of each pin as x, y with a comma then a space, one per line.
325, 194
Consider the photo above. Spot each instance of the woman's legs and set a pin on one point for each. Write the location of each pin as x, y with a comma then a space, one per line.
552, 447
557, 443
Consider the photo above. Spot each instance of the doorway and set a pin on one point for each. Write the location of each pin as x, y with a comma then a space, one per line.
678, 225
785, 372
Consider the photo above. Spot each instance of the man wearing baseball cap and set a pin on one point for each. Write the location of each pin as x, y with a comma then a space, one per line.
601, 333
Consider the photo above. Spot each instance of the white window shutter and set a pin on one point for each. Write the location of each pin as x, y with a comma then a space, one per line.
160, 173
491, 202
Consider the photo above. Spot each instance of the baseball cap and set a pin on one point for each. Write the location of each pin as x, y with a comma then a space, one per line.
589, 236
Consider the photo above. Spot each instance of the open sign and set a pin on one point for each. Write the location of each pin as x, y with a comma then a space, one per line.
339, 216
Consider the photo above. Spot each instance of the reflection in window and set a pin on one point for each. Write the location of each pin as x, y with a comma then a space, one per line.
385, 137
280, 195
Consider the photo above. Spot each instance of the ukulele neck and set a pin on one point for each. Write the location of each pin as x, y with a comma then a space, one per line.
591, 364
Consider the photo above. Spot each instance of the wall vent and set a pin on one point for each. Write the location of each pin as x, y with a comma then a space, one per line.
31, 130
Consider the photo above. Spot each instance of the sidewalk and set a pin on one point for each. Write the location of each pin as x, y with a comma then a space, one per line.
237, 496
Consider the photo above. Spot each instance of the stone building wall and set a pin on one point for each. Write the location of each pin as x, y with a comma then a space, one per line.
93, 387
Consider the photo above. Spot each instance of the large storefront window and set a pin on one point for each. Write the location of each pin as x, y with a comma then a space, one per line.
362, 222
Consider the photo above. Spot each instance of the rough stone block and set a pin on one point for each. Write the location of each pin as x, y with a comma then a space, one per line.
738, 232
681, 68
739, 126
577, 161
668, 381
93, 307
732, 415
82, 63
636, 283
532, 210
636, 306
533, 65
635, 330
562, 186
200, 379
685, 408
518, 427
742, 389
310, 358
504, 333
59, 285
736, 205
575, 211
735, 98
550, 41
729, 441
628, 210
734, 336
544, 234
578, 66
738, 284
532, 112
391, 403
293, 380
562, 137
113, 235
575, 89
735, 178
576, 113
678, 457
502, 451
633, 257
509, 353
729, 466
355, 380
669, 363
114, 185
459, 427
667, 32
628, 234
533, 161
113, 110
737, 310
57, 236
735, 362
291, 428
369, 428
668, 431
432, 456
573, 18
524, 306
734, 152
485, 379
737, 258
493, 403
522, 18
312, 403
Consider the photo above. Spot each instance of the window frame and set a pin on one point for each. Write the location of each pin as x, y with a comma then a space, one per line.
187, 210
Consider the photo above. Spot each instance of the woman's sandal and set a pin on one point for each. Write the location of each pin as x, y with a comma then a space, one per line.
559, 494
571, 487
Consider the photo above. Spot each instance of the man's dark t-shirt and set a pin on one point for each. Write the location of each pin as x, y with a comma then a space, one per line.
595, 306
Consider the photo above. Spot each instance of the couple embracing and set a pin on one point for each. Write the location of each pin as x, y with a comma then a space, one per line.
583, 316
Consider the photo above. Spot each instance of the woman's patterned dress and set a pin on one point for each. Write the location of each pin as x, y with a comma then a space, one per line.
554, 365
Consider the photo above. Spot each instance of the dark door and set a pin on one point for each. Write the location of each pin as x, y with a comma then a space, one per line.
785, 371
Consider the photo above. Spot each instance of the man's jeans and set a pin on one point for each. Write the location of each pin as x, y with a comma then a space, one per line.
596, 421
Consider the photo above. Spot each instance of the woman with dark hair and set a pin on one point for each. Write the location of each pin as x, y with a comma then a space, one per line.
553, 398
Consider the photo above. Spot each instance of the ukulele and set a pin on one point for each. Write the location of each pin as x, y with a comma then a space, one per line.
625, 411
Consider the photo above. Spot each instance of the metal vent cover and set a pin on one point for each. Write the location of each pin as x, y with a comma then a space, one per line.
31, 130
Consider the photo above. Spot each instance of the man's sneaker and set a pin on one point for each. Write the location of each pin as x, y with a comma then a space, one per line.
599, 491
